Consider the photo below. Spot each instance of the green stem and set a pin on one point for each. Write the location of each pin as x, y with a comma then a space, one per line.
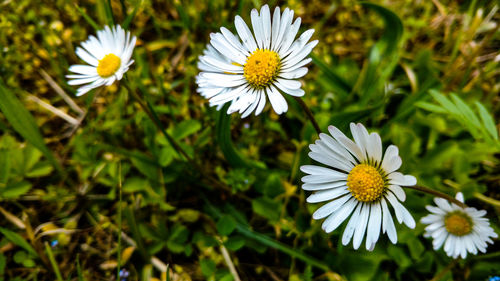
487, 199
438, 194
309, 114
119, 256
53, 262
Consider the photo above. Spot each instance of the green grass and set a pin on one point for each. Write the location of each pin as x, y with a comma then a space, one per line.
151, 159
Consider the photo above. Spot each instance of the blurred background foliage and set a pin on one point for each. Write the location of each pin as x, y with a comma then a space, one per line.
424, 74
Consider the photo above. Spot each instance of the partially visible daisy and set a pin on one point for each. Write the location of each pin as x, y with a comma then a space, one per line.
461, 230
361, 185
108, 57
264, 64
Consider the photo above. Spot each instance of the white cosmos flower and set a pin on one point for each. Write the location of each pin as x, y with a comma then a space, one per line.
461, 230
267, 62
108, 57
358, 183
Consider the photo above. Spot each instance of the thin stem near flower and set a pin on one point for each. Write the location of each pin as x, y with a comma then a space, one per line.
438, 194
309, 114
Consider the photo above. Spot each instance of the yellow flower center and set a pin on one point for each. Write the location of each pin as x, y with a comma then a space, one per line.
261, 67
458, 224
365, 183
108, 65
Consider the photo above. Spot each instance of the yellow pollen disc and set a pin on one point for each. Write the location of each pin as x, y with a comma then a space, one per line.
108, 65
261, 67
365, 183
458, 224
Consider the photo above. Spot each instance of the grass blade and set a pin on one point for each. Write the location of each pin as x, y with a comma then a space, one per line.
23, 122
53, 261
488, 122
18, 240
336, 81
131, 16
88, 19
223, 131
265, 240
383, 55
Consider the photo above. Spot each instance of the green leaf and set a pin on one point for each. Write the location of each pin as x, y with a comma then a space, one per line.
226, 225
223, 130
40, 169
335, 80
4, 166
23, 122
207, 267
447, 104
383, 55
14, 190
235, 243
267, 208
430, 107
186, 128
18, 240
488, 122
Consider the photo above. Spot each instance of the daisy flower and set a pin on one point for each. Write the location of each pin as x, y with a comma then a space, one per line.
461, 230
108, 57
358, 183
267, 62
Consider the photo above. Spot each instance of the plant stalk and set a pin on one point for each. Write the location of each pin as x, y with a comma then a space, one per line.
309, 114
438, 194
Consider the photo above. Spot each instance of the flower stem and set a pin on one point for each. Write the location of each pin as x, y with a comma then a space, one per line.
309, 114
438, 194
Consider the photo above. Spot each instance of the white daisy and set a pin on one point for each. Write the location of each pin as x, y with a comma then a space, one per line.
361, 185
461, 230
108, 57
267, 62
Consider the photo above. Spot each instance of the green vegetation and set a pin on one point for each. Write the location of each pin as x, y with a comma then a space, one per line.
147, 181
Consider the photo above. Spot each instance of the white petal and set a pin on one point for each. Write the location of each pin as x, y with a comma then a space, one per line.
297, 45
348, 144
83, 69
387, 223
336, 219
397, 178
278, 102
330, 161
265, 16
295, 93
295, 74
398, 191
83, 80
275, 26
322, 186
290, 84
361, 227
262, 102
390, 152
288, 37
286, 20
88, 58
330, 207
253, 104
317, 170
245, 34
375, 147
257, 28
374, 225
325, 195
351, 226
